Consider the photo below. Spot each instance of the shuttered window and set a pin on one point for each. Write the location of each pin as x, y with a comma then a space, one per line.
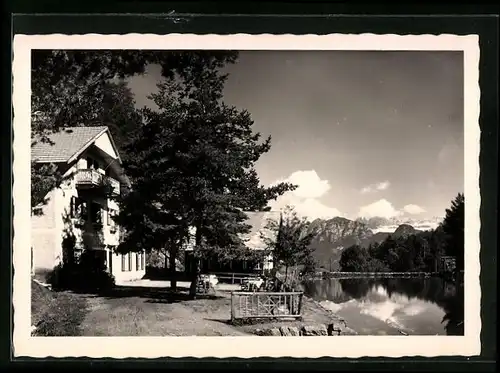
123, 263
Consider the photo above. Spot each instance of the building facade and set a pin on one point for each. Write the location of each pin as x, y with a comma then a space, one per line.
78, 214
254, 240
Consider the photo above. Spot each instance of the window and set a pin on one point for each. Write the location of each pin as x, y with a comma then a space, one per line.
137, 261
72, 207
143, 261
92, 163
95, 213
37, 211
111, 221
123, 263
78, 208
129, 261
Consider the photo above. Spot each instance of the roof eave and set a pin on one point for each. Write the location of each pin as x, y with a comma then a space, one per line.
90, 142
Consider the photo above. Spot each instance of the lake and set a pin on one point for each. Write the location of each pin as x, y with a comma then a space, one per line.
393, 306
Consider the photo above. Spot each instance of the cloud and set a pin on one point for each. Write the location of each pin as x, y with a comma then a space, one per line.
309, 184
413, 209
383, 185
366, 189
305, 199
381, 208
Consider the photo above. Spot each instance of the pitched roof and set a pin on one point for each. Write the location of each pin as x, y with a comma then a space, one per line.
253, 239
258, 222
65, 144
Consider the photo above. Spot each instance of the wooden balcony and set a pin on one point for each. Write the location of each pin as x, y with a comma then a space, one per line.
89, 178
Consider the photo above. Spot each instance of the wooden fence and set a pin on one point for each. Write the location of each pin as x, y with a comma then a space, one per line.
234, 277
375, 274
246, 305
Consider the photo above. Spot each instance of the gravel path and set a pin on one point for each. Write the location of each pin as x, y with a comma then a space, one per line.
156, 313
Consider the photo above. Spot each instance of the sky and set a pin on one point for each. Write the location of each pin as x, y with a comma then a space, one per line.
362, 133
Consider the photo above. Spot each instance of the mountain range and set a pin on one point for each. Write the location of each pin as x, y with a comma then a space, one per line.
333, 235
380, 224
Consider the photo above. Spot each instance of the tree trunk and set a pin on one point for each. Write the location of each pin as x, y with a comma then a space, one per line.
166, 263
286, 273
173, 272
197, 264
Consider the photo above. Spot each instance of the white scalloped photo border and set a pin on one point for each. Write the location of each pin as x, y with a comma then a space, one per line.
244, 347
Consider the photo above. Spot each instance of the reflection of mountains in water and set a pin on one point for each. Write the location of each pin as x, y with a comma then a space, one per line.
446, 295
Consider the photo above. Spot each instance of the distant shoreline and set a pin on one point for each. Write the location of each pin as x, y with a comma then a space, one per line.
327, 274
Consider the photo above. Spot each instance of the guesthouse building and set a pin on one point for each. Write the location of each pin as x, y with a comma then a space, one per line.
78, 214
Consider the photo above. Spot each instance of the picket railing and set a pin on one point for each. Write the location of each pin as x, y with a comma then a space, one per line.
246, 305
91, 177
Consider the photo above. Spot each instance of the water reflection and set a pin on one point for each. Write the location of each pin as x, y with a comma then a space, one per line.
390, 305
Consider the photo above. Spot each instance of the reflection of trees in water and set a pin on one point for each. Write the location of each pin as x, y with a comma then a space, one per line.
328, 289
355, 287
446, 295
454, 312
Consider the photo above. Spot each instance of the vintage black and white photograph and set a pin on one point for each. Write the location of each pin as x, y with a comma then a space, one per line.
248, 192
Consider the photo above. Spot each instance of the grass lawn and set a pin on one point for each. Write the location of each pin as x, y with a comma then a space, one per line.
56, 314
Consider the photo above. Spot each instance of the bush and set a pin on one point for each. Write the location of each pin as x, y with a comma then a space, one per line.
80, 277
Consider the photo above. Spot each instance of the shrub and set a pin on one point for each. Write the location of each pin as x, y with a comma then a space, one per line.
86, 276
60, 278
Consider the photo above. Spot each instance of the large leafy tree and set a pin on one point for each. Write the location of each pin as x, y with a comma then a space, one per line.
75, 88
291, 245
354, 259
86, 88
453, 228
117, 111
192, 165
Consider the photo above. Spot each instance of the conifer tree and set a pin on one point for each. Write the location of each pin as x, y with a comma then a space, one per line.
453, 227
192, 166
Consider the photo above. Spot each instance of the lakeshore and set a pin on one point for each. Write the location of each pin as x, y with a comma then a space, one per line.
376, 274
368, 305
150, 308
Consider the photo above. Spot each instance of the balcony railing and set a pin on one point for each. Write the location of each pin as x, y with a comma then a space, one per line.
93, 178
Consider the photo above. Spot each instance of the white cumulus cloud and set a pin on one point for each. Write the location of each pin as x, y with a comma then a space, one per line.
413, 209
305, 199
309, 184
383, 185
366, 189
381, 208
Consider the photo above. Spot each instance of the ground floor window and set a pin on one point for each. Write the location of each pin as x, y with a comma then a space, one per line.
124, 262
